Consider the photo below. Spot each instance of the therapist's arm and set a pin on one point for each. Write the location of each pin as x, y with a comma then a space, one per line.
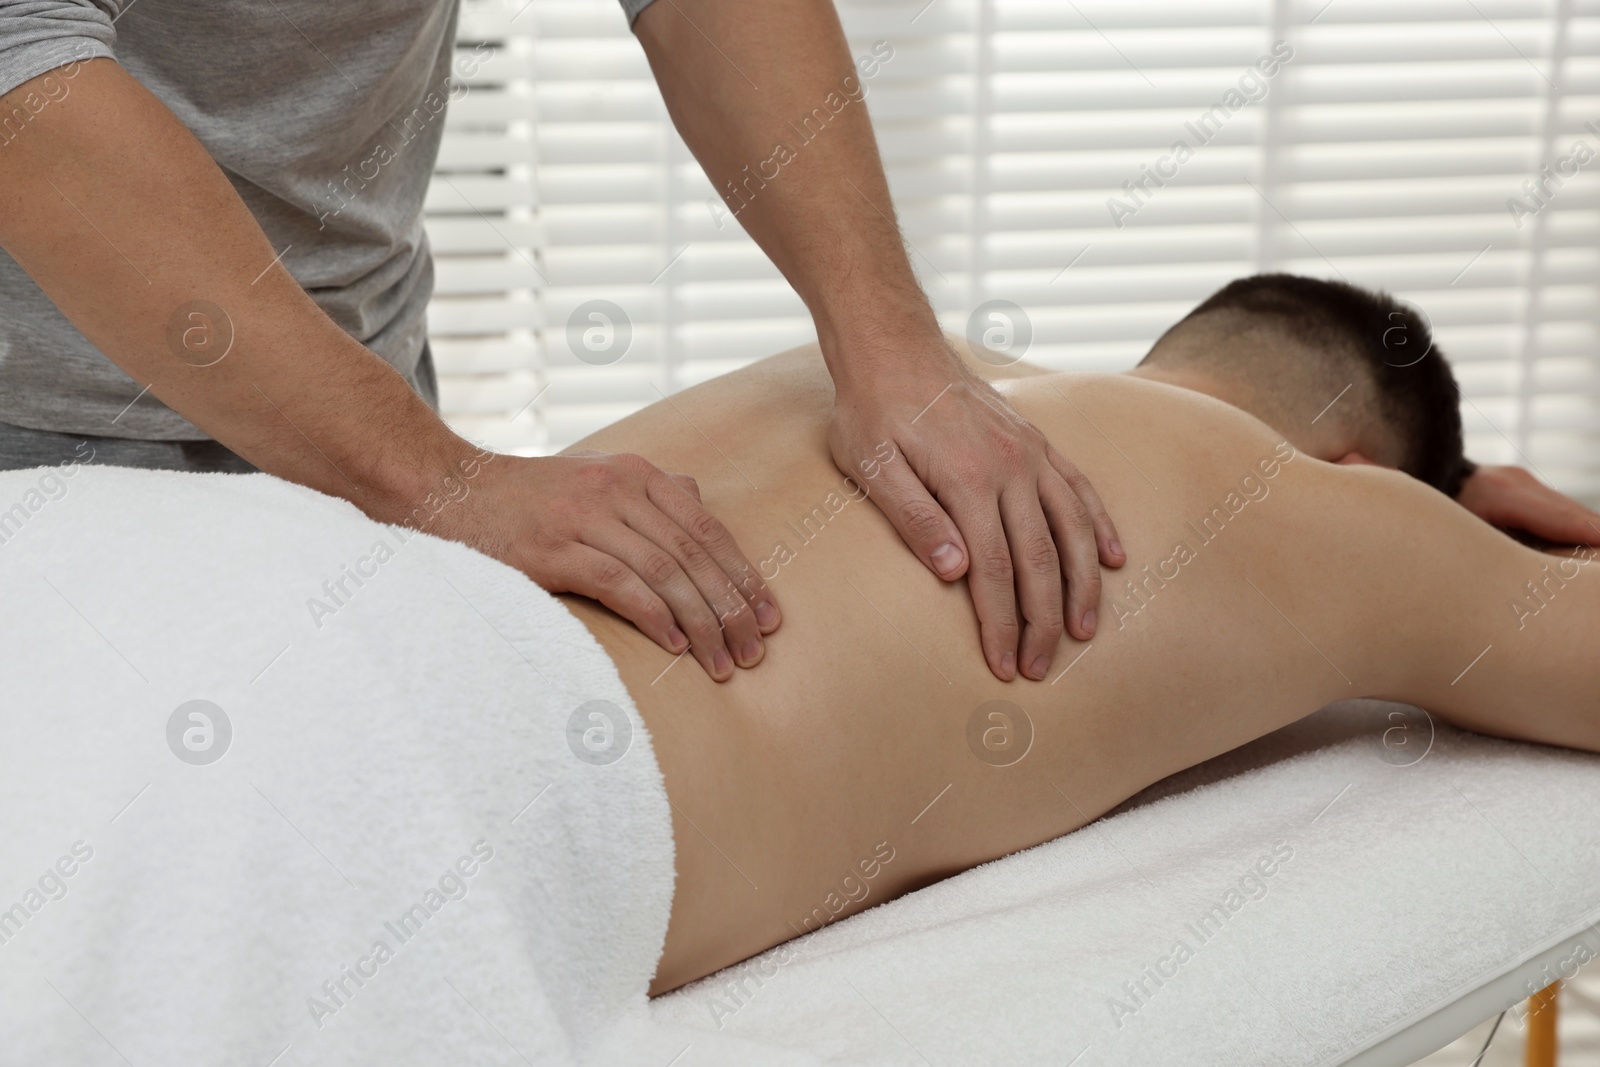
982, 493
124, 220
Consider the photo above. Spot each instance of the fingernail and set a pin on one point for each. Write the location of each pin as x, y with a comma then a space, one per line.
752, 651
1116, 548
766, 615
946, 558
1041, 665
1089, 619
720, 664
676, 639
1008, 664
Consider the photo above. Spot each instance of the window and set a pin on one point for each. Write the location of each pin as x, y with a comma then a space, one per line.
1397, 144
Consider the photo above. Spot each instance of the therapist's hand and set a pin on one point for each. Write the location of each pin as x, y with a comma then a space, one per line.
615, 528
977, 490
975, 475
1514, 499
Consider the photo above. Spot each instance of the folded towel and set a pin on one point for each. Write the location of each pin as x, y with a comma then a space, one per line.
277, 779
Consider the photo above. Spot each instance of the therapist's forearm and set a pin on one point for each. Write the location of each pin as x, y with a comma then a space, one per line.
123, 219
738, 80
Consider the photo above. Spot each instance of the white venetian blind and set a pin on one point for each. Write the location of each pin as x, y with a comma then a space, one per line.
1383, 151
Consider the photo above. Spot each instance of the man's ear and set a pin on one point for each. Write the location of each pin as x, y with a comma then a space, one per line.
1356, 457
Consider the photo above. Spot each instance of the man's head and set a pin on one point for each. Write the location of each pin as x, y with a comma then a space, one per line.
1345, 374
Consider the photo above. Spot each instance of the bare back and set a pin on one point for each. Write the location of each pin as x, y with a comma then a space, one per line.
864, 758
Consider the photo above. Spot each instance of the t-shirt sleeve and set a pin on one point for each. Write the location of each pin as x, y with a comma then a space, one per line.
633, 7
40, 35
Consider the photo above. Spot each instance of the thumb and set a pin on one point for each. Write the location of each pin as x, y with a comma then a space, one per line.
922, 523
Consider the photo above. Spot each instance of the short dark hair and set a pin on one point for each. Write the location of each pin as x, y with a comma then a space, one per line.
1414, 387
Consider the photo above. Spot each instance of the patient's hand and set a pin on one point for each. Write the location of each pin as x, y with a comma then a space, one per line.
615, 528
976, 489
1514, 499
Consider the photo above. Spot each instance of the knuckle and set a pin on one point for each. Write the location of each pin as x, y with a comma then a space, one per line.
704, 631
657, 569
974, 469
1007, 446
994, 561
599, 476
637, 470
691, 552
1076, 517
705, 528
1047, 616
609, 574
1004, 624
920, 519
656, 613
1039, 553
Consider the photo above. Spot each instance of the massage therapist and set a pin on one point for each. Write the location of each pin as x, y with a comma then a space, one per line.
215, 260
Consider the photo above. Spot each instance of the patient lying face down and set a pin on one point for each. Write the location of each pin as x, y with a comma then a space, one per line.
874, 732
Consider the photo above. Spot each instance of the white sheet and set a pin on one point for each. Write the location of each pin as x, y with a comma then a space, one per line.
1408, 886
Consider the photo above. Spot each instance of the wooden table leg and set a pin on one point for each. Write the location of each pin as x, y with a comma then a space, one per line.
1540, 1050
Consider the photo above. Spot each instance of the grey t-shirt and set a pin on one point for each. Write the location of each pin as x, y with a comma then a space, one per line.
325, 116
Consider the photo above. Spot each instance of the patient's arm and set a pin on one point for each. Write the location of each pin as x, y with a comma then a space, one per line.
1261, 585
1514, 499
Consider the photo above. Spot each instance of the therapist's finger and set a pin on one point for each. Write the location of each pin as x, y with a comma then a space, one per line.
666, 577
931, 534
709, 534
740, 635
589, 572
1039, 573
991, 579
1108, 545
1075, 536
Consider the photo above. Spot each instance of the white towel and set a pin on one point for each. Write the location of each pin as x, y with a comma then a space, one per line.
1406, 885
399, 772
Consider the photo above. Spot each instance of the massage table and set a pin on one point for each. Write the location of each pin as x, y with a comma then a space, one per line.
1333, 893
1422, 899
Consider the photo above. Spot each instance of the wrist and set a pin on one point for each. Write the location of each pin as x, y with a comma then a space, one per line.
422, 468
892, 338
